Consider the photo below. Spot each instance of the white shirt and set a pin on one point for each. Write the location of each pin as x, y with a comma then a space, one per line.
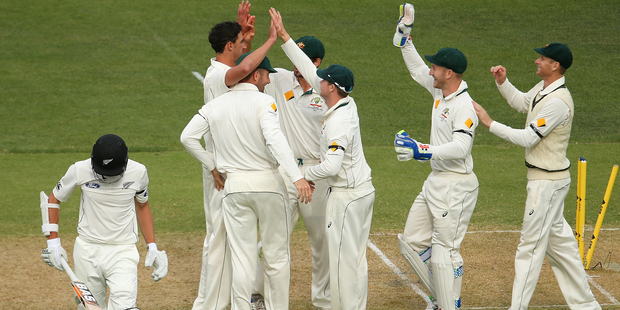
555, 113
246, 132
343, 163
107, 211
301, 113
454, 119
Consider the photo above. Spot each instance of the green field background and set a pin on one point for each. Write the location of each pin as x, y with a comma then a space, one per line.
71, 71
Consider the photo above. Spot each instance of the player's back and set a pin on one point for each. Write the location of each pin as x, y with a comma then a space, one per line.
236, 121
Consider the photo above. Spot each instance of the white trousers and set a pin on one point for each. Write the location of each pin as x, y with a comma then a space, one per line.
545, 232
216, 273
249, 197
101, 266
313, 214
440, 215
349, 215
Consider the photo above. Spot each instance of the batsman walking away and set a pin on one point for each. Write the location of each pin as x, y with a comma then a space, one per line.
113, 205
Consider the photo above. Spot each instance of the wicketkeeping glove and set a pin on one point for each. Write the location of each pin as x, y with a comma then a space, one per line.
158, 259
51, 255
408, 148
403, 27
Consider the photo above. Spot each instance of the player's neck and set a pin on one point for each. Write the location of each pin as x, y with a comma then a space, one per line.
304, 84
550, 79
226, 58
450, 88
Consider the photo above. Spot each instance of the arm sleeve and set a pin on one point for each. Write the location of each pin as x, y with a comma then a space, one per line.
553, 114
334, 156
276, 141
302, 62
328, 167
518, 100
67, 184
416, 66
463, 132
142, 195
190, 138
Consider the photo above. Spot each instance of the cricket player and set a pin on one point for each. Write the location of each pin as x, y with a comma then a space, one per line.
301, 110
545, 232
440, 214
114, 202
249, 145
351, 194
229, 40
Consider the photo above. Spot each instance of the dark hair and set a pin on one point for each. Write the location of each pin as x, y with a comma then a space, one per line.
223, 33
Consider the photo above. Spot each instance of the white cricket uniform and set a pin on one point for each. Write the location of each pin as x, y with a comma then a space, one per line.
215, 275
249, 145
351, 195
105, 253
301, 119
441, 212
545, 232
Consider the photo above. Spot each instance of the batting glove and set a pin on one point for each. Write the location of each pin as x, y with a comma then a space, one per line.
53, 253
403, 27
408, 148
158, 259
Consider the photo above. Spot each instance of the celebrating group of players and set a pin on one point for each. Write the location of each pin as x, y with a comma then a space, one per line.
278, 143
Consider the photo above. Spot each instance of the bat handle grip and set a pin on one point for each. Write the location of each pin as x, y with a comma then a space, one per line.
67, 268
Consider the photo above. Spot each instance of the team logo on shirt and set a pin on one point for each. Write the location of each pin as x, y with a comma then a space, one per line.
58, 186
127, 184
541, 122
436, 103
273, 106
445, 112
316, 103
92, 185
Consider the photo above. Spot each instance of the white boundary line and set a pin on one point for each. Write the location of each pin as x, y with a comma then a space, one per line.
386, 260
602, 290
416, 289
198, 76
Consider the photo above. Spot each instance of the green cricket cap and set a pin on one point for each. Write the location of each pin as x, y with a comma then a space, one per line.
450, 58
311, 46
265, 64
558, 52
338, 75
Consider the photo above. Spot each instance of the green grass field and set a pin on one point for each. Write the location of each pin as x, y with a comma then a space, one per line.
71, 71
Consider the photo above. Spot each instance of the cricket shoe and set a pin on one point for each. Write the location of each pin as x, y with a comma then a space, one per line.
257, 302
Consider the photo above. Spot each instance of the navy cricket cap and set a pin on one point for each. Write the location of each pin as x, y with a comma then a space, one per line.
449, 58
265, 64
109, 155
558, 52
311, 46
338, 75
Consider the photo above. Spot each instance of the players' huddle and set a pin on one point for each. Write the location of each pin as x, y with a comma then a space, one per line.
280, 143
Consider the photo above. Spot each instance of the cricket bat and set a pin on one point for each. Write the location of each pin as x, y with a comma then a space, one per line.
81, 290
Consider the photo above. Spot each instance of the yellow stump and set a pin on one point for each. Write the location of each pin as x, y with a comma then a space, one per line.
601, 215
581, 205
